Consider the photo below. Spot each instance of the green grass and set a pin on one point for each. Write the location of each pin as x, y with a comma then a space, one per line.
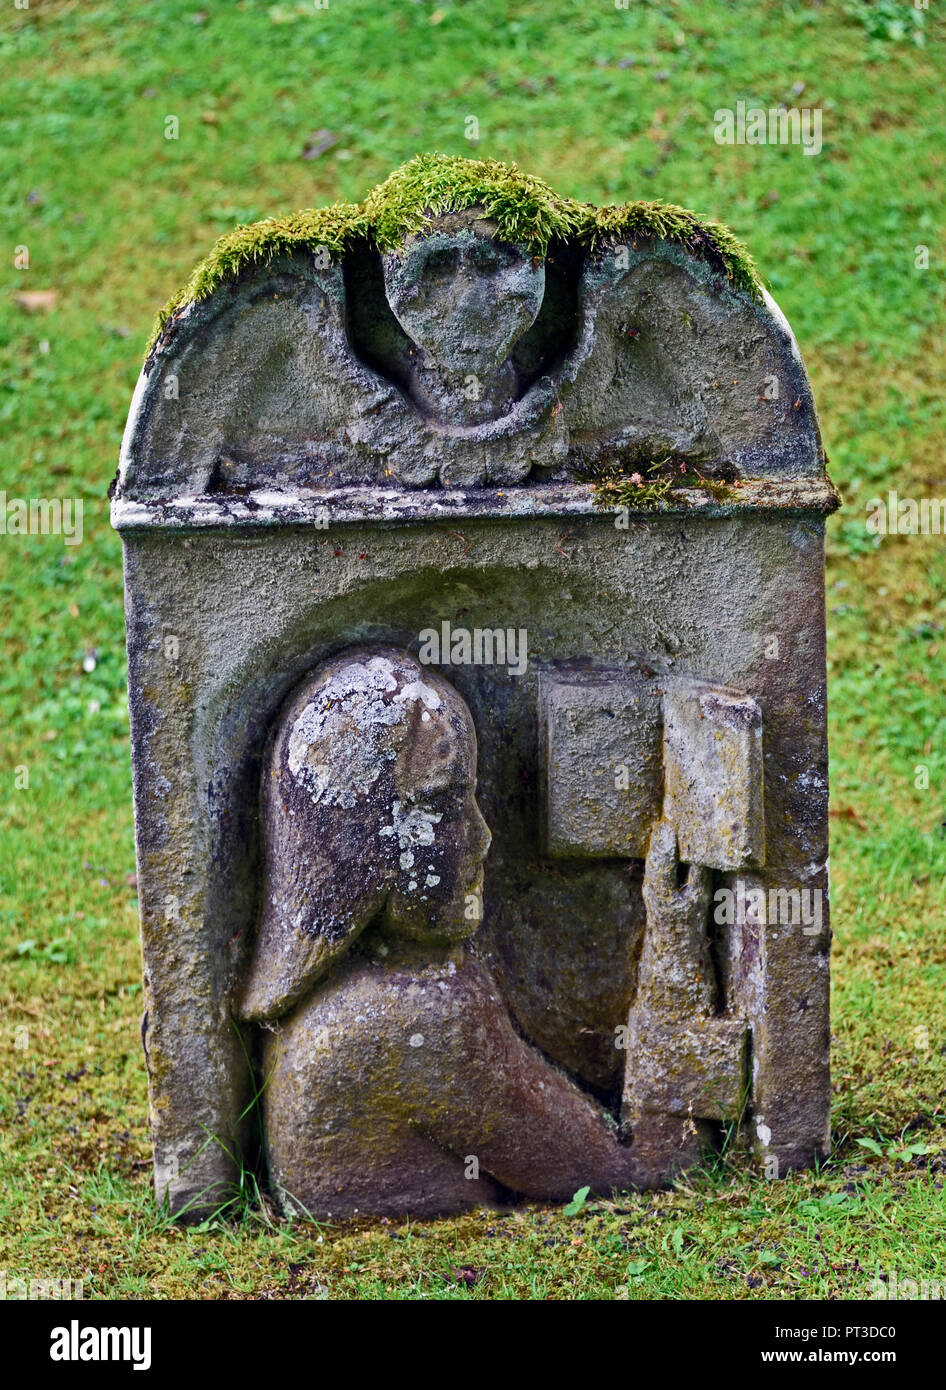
607, 107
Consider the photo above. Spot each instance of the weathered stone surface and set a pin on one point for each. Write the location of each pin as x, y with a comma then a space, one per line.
367, 808
307, 376
714, 792
603, 768
300, 479
404, 1087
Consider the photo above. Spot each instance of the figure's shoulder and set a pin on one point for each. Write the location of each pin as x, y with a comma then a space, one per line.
370, 994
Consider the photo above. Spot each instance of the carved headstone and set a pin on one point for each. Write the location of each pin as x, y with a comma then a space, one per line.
472, 506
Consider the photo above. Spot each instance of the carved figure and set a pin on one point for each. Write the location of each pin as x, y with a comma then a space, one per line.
393, 1078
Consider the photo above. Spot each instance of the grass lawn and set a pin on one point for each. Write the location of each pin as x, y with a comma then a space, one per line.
282, 106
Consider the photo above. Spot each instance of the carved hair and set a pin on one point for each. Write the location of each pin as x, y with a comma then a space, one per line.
357, 751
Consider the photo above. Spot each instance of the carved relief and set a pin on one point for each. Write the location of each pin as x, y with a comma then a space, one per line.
433, 1020
392, 1076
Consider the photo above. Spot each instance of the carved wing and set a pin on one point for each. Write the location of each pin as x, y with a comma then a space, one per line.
259, 386
667, 363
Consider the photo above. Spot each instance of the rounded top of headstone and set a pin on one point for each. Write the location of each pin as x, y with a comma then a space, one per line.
466, 328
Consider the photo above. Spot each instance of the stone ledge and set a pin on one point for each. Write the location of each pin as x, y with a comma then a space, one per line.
321, 509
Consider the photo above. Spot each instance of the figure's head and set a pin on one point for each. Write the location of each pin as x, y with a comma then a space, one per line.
369, 804
463, 296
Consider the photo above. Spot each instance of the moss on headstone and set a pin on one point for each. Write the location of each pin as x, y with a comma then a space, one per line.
525, 209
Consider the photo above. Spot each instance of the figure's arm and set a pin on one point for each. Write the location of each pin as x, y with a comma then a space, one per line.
285, 965
675, 974
530, 1127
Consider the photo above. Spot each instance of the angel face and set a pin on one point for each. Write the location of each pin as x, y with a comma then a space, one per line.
464, 297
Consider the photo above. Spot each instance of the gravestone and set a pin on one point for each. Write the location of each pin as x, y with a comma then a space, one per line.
474, 571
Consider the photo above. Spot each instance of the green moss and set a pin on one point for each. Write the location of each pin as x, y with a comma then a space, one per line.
525, 209
670, 478
334, 227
